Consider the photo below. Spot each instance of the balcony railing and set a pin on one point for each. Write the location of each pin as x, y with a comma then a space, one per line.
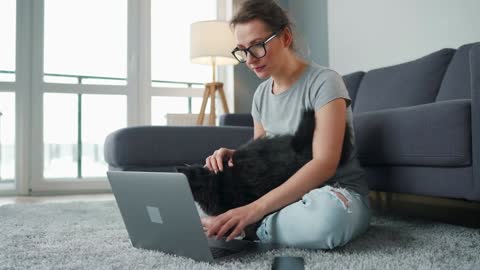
80, 79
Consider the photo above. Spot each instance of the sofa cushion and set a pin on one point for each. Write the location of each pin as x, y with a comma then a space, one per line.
408, 84
352, 81
456, 82
435, 134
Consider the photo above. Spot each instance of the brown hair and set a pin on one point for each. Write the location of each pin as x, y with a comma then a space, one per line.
267, 11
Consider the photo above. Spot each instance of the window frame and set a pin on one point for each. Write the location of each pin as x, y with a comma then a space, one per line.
29, 88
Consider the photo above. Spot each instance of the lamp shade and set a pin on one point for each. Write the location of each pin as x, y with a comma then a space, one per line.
211, 41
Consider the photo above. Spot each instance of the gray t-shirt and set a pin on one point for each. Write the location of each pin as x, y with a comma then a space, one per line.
281, 114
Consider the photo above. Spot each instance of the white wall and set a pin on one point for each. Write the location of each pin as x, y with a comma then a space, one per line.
369, 34
310, 19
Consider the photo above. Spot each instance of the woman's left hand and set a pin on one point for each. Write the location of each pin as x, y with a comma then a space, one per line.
236, 219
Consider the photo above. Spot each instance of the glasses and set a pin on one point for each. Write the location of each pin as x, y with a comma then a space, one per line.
257, 50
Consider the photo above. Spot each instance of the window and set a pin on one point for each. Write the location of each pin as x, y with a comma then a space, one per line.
7, 90
85, 41
170, 56
7, 46
73, 138
97, 121
84, 95
7, 136
171, 39
60, 135
70, 85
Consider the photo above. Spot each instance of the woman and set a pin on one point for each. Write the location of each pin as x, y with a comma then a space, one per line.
323, 205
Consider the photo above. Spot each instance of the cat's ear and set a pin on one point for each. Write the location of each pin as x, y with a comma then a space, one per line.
182, 169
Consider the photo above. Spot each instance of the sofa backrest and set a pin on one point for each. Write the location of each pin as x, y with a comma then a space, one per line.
352, 82
407, 84
456, 82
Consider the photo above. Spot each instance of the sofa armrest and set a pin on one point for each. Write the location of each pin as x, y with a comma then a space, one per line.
163, 146
475, 87
236, 119
433, 134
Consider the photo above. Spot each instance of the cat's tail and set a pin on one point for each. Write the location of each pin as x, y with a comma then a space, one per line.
304, 135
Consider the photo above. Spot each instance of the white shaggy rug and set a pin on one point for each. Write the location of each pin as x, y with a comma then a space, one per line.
91, 235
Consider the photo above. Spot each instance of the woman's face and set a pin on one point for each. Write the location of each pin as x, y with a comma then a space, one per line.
254, 32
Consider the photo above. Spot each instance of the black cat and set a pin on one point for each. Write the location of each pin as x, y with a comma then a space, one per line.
258, 167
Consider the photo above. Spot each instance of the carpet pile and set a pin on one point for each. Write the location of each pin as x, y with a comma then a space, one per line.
91, 235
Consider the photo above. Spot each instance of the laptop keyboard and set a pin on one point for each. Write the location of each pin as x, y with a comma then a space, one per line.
221, 252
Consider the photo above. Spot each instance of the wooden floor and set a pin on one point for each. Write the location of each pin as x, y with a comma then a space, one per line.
457, 212
451, 211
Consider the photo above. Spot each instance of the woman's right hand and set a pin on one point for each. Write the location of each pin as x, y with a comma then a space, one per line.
215, 161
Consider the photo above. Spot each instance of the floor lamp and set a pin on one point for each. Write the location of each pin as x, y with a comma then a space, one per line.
211, 43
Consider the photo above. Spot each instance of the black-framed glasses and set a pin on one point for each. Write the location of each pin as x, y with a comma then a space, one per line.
256, 50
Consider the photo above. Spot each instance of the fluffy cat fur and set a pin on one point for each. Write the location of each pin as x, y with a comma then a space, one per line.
258, 167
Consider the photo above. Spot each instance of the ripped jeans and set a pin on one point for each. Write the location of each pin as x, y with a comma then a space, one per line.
320, 220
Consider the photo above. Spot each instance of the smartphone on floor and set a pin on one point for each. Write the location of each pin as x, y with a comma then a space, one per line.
288, 262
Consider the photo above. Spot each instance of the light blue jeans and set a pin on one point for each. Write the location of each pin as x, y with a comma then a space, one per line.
320, 220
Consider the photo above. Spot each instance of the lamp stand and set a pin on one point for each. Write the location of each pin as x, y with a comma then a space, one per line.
210, 91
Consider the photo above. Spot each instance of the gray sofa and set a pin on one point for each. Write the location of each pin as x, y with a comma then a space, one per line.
417, 128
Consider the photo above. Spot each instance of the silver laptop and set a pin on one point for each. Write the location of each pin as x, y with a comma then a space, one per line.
159, 213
